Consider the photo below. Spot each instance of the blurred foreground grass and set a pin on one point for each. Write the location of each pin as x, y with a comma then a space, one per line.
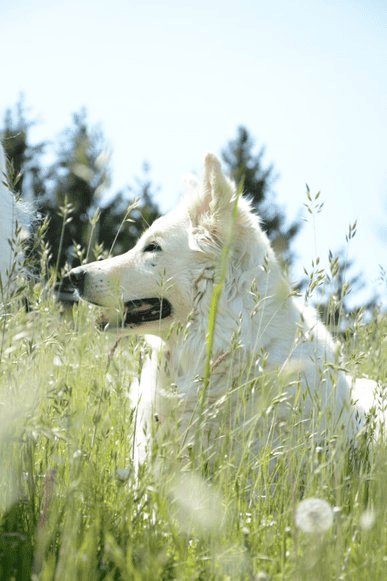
71, 507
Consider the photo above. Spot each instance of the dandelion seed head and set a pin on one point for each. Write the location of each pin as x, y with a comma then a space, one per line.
262, 576
367, 520
196, 504
57, 361
314, 515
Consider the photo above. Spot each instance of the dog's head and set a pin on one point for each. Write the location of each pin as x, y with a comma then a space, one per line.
174, 263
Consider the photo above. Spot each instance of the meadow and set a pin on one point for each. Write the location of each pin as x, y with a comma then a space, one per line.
74, 507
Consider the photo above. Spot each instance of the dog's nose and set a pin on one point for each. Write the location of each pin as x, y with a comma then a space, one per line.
76, 278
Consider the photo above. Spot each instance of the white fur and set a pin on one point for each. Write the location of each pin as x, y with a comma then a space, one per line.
256, 310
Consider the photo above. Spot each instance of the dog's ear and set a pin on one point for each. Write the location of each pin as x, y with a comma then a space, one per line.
215, 196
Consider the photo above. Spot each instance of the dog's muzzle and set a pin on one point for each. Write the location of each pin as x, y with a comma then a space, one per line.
76, 279
136, 311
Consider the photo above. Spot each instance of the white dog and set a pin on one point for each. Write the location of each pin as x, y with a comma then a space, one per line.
164, 286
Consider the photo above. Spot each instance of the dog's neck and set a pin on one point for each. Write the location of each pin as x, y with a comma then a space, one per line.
237, 341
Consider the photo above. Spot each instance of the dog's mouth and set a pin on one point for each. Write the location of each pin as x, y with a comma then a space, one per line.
136, 312
140, 311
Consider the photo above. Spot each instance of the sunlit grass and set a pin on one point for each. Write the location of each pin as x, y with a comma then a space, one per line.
73, 506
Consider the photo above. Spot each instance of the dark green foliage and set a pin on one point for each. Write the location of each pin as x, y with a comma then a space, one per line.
16, 541
76, 181
243, 164
70, 191
23, 158
335, 295
113, 216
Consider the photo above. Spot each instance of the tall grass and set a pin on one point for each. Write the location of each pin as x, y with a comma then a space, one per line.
73, 507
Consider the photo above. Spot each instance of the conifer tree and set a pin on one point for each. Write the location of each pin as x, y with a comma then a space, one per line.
128, 228
24, 159
77, 180
70, 192
243, 164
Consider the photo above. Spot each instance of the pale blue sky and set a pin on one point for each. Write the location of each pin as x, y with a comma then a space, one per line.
169, 80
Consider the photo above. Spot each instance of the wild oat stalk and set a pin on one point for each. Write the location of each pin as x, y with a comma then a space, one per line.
93, 221
216, 294
132, 206
65, 212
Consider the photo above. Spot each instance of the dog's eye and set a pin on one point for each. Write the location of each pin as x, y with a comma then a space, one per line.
152, 247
